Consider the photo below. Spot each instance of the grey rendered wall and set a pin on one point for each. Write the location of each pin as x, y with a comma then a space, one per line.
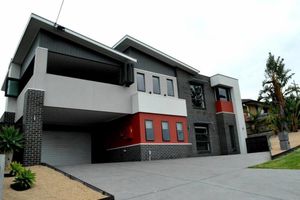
207, 116
149, 63
30, 55
225, 120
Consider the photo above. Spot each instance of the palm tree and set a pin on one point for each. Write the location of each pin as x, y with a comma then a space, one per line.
293, 112
274, 88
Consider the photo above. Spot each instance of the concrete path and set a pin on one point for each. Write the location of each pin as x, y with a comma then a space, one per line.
216, 178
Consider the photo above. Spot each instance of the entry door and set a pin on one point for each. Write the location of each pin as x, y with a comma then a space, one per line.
202, 139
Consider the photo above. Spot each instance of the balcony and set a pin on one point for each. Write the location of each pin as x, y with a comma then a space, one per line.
67, 92
151, 103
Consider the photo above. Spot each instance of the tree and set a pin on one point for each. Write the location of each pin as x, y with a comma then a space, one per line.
293, 112
274, 88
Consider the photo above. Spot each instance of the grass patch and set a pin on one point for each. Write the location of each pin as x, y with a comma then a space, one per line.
289, 161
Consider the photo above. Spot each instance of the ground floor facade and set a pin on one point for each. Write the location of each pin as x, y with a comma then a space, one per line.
134, 137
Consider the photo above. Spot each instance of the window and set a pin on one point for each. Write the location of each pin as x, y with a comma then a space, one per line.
149, 130
232, 138
197, 95
202, 139
165, 131
156, 85
170, 87
179, 129
12, 87
141, 82
223, 94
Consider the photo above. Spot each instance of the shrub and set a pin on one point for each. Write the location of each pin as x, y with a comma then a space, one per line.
15, 168
24, 180
10, 139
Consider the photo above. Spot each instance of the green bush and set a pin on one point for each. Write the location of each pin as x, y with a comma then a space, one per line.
15, 168
24, 180
10, 139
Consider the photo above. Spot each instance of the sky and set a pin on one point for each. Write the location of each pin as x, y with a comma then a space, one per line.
229, 37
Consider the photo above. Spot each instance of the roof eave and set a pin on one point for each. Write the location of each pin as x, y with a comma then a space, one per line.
128, 41
36, 23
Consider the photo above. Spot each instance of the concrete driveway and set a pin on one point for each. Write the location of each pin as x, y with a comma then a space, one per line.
219, 177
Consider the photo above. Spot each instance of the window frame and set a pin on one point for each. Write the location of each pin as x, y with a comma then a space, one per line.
146, 134
162, 131
203, 94
208, 142
177, 132
159, 89
6, 87
228, 96
137, 82
173, 88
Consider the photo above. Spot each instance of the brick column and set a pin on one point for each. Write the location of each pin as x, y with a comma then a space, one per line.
33, 126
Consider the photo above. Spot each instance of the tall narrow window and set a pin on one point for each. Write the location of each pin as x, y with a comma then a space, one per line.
156, 85
179, 129
197, 95
202, 139
170, 87
140, 82
149, 130
232, 138
165, 131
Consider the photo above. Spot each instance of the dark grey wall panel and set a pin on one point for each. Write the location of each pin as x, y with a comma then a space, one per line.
224, 120
63, 46
206, 116
149, 63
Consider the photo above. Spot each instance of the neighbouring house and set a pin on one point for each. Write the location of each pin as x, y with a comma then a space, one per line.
255, 114
79, 101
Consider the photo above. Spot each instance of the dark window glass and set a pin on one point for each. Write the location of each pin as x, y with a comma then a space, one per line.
197, 95
12, 89
202, 139
179, 129
156, 85
141, 82
232, 138
223, 94
170, 87
165, 131
149, 130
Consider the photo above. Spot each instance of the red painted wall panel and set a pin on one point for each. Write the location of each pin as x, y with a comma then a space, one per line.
131, 130
224, 106
157, 119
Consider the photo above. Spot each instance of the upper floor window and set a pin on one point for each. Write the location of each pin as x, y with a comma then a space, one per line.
141, 82
197, 95
149, 130
165, 131
156, 85
179, 129
170, 87
12, 87
223, 94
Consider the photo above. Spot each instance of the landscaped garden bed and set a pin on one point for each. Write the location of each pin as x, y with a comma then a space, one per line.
51, 185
